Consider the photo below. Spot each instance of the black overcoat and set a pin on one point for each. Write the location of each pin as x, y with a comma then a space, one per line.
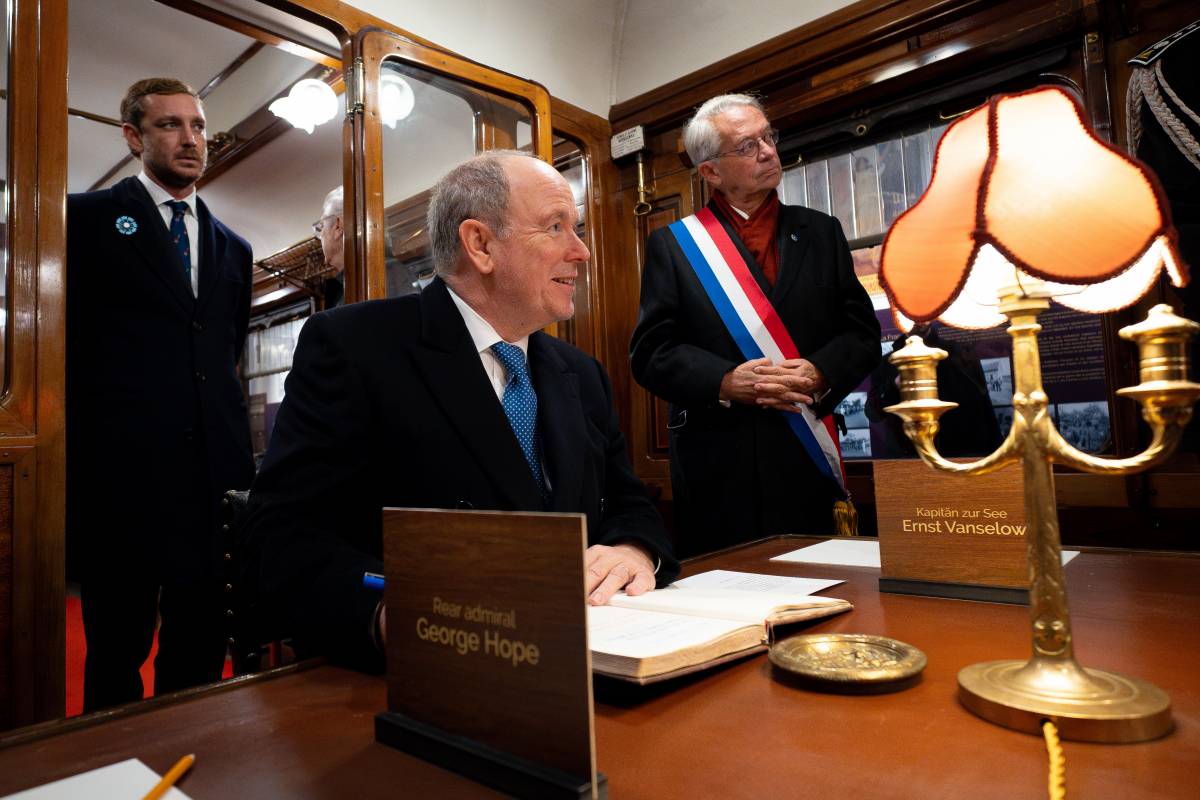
739, 473
156, 419
388, 404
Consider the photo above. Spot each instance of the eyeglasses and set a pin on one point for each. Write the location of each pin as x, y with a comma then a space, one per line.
319, 225
750, 147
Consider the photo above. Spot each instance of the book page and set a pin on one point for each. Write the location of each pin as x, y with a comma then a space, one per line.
729, 604
644, 634
125, 779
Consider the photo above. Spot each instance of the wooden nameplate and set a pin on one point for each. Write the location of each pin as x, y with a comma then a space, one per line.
488, 667
952, 536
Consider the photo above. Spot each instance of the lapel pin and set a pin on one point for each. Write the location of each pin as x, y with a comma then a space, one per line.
795, 237
126, 226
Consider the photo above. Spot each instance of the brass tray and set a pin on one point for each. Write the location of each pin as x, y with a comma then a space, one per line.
848, 659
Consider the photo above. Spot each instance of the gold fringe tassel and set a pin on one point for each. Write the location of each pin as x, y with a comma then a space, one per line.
845, 518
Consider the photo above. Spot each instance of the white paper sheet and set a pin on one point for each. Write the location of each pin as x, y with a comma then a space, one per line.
754, 582
125, 780
839, 552
853, 553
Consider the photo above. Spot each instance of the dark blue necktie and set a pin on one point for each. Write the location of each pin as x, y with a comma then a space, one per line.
520, 405
179, 236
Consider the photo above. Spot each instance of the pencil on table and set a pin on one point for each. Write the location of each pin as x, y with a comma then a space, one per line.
168, 780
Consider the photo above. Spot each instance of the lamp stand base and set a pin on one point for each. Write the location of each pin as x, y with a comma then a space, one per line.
1087, 705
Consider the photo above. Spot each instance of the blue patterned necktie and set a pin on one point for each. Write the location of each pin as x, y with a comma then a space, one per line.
520, 405
179, 236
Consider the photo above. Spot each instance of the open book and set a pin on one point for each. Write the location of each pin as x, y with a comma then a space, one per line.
699, 622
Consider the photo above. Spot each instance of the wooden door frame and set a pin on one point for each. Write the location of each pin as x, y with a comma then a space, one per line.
31, 409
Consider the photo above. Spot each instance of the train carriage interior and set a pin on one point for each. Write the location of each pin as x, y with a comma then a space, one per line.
383, 98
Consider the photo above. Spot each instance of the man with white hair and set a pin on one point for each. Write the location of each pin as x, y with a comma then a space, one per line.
453, 398
753, 327
330, 230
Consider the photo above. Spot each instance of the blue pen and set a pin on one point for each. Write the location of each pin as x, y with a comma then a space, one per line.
373, 580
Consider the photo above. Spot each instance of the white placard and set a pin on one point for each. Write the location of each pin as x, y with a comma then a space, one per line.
628, 142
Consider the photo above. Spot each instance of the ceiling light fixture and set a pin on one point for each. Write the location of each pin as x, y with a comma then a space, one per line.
396, 99
309, 103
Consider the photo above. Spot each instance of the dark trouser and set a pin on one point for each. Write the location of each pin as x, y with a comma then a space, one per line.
119, 618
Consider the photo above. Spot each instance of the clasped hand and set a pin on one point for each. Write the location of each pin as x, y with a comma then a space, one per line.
786, 386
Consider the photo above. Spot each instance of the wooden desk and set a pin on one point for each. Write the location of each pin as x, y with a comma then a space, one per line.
731, 732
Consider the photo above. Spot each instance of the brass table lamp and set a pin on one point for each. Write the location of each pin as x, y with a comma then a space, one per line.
1026, 206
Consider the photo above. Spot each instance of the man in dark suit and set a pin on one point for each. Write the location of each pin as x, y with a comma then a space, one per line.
738, 471
452, 398
158, 299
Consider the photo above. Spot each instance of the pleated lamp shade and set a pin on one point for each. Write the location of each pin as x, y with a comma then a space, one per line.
1022, 189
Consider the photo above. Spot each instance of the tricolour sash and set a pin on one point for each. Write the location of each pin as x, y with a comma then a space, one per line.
754, 324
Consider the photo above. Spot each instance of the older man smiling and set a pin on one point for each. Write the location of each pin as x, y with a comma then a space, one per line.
453, 398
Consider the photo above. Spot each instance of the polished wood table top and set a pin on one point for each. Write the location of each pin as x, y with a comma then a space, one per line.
735, 731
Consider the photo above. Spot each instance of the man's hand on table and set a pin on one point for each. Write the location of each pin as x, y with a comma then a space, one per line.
607, 570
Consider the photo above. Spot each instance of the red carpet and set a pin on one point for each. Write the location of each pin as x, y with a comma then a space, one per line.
77, 650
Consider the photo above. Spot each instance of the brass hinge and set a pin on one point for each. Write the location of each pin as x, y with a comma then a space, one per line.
355, 91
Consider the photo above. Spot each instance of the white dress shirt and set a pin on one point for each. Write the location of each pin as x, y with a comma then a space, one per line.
484, 336
162, 198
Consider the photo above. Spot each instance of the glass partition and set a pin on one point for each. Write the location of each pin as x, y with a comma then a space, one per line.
431, 123
268, 361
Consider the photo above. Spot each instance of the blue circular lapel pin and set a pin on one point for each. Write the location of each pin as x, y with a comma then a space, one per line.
126, 226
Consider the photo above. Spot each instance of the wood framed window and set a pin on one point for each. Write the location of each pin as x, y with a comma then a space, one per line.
424, 110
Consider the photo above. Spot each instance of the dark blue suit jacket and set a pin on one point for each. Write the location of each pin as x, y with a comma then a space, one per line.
156, 420
387, 404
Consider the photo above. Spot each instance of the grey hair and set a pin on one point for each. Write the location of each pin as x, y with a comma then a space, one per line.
700, 137
475, 189
334, 204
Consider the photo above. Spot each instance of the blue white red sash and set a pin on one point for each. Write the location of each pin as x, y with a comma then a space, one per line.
753, 323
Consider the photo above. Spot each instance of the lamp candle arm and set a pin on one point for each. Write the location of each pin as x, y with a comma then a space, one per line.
1164, 439
922, 437
921, 409
1165, 393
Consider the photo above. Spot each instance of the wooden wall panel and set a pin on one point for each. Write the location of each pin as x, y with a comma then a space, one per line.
677, 193
32, 572
6, 596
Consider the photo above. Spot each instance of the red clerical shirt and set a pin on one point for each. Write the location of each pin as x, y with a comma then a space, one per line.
759, 233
